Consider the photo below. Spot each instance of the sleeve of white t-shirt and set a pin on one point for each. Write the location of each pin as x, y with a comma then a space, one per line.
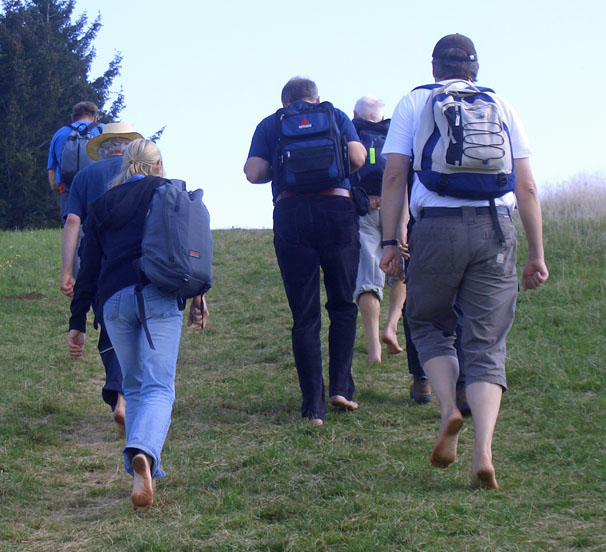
401, 128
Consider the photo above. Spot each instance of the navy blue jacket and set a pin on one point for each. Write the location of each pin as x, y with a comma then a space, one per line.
112, 245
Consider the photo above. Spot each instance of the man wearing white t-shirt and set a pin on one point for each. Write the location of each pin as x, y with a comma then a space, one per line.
461, 251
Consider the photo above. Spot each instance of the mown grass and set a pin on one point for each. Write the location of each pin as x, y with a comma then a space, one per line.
244, 473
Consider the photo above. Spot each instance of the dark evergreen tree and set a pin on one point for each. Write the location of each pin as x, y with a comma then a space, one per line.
45, 60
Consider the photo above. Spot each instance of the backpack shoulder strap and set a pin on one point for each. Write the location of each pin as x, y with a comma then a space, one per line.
427, 87
90, 127
180, 184
327, 105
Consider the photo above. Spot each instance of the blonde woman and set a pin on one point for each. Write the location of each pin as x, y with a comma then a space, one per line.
113, 235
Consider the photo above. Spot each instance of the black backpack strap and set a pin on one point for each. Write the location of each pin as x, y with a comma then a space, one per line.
495, 220
90, 127
142, 318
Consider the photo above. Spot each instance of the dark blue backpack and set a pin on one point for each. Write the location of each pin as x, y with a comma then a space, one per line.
370, 175
311, 154
74, 156
177, 244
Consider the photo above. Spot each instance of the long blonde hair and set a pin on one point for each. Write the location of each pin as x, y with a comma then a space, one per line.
140, 157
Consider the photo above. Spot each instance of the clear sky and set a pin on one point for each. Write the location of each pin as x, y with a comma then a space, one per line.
210, 71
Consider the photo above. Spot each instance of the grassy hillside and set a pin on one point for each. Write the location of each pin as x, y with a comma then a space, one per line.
245, 473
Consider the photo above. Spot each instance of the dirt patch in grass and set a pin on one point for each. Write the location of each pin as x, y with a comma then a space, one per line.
31, 296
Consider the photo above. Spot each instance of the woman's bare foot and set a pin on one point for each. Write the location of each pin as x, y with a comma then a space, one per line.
120, 410
390, 339
340, 402
483, 475
445, 448
317, 421
142, 496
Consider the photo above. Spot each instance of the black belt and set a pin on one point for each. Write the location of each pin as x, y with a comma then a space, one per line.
343, 192
458, 211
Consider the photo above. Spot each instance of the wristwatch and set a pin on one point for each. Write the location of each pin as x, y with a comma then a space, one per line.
389, 242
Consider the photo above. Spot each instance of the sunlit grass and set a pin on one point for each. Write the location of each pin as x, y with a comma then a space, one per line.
246, 474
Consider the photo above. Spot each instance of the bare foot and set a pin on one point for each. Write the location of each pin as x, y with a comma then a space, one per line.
483, 476
317, 421
374, 358
142, 496
445, 448
342, 403
120, 410
390, 339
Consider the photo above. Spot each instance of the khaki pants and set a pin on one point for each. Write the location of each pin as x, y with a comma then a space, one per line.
458, 258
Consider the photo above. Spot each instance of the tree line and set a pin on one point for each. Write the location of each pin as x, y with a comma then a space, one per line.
45, 61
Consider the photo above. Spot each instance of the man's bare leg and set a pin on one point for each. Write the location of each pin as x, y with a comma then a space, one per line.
442, 373
370, 309
397, 295
484, 399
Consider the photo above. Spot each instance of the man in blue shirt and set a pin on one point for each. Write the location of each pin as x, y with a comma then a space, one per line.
313, 230
83, 114
89, 184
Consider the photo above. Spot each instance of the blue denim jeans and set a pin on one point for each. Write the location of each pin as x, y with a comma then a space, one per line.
313, 233
148, 375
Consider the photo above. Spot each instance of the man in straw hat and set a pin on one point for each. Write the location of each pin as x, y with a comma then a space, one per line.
88, 185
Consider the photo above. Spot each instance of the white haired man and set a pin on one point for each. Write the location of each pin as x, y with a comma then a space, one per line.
372, 128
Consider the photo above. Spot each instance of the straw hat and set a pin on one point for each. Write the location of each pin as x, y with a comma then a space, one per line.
110, 130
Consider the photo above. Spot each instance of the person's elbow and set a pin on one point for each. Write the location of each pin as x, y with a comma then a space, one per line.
395, 175
72, 221
257, 170
357, 155
525, 184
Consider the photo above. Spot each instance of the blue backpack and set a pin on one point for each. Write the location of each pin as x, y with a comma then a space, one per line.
74, 156
462, 144
311, 154
177, 244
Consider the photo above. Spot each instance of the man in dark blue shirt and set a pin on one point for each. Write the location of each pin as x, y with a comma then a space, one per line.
89, 184
313, 230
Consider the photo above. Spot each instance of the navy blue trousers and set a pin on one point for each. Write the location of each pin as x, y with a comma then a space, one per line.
313, 233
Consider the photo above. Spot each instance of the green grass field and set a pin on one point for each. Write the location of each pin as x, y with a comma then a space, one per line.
246, 474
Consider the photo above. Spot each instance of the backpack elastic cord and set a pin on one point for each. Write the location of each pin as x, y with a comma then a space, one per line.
142, 318
495, 219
